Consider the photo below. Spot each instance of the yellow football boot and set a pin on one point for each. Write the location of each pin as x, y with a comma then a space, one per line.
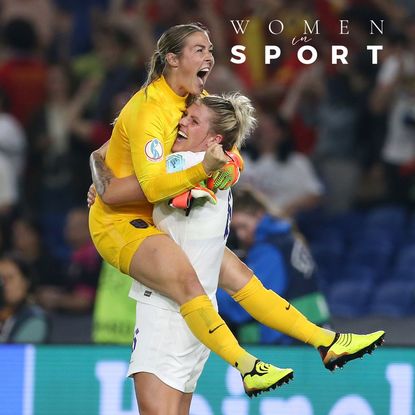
264, 377
346, 347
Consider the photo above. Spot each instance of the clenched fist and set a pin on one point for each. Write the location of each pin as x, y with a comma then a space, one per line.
214, 159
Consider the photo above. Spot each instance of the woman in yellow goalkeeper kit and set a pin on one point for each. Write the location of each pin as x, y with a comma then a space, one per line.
126, 237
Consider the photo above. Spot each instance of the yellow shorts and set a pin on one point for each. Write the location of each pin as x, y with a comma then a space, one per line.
117, 242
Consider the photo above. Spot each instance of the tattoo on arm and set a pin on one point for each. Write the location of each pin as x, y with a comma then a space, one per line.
101, 173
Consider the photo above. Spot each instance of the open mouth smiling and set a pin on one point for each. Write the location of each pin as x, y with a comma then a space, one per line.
202, 74
181, 136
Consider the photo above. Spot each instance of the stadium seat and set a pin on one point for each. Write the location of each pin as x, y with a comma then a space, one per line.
394, 299
374, 252
311, 223
357, 272
327, 235
348, 224
405, 260
349, 272
406, 275
327, 255
385, 237
323, 279
409, 236
350, 298
386, 217
390, 220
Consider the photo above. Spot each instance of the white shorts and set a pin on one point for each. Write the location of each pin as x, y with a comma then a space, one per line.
164, 346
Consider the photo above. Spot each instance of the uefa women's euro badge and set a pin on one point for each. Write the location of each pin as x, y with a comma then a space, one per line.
154, 150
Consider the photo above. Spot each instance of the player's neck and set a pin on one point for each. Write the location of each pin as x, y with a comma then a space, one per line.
174, 83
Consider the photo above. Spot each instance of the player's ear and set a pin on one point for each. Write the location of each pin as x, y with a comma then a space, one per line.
217, 138
172, 59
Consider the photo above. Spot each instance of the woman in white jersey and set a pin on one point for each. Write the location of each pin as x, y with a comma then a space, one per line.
165, 352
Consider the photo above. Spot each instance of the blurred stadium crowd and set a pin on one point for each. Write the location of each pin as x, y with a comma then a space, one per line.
334, 147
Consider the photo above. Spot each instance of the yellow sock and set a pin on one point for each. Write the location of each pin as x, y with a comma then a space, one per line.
207, 325
273, 311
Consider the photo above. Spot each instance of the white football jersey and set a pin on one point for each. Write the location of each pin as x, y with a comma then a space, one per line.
201, 233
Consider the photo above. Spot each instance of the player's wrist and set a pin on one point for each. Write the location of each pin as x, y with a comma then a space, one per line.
208, 170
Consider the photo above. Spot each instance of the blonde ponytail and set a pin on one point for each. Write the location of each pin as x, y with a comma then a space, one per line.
233, 117
245, 116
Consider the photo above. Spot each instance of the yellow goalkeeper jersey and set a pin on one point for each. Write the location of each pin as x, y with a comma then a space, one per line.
142, 137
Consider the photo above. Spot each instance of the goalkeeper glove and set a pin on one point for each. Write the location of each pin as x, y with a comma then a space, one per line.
202, 191
228, 175
183, 201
